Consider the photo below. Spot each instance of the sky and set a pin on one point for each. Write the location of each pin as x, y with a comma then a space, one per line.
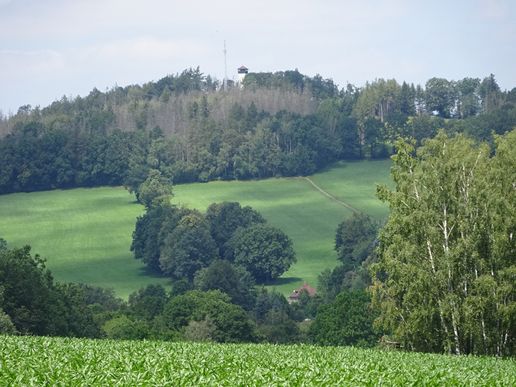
51, 48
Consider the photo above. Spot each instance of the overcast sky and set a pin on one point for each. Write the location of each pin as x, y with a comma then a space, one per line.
51, 48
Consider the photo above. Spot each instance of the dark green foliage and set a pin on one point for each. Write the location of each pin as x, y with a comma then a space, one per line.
277, 327
36, 305
179, 242
280, 124
148, 302
468, 101
188, 248
330, 282
440, 96
346, 321
422, 127
264, 251
100, 299
407, 96
319, 87
354, 240
237, 283
230, 322
37, 158
150, 230
6, 325
79, 312
490, 94
225, 218
276, 319
28, 292
266, 301
123, 327
180, 286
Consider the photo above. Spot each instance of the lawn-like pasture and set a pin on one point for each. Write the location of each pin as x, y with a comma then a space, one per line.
85, 234
355, 183
39, 361
309, 217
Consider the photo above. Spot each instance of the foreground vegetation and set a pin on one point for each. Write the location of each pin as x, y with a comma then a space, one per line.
445, 277
85, 234
44, 361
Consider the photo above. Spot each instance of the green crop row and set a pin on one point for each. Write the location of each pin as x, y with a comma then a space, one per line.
78, 362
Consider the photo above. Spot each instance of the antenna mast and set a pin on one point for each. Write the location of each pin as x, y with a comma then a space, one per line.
225, 82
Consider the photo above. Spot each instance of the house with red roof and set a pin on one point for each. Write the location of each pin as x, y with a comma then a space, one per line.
296, 293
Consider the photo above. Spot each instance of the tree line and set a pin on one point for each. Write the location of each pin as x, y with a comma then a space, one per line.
439, 274
276, 124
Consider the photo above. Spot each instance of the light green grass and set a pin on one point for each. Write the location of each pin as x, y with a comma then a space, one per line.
355, 183
39, 361
85, 233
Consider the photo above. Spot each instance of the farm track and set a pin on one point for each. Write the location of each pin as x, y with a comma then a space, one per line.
330, 196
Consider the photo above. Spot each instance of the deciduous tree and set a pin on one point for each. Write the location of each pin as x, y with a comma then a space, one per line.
354, 240
265, 251
154, 189
445, 277
188, 248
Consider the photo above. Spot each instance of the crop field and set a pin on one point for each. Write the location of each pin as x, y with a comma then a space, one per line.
85, 234
37, 361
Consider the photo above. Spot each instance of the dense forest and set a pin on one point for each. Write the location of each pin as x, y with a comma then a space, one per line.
273, 124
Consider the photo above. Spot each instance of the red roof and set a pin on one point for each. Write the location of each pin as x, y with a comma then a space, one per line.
297, 292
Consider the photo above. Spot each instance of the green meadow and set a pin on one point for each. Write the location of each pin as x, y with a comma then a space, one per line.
85, 234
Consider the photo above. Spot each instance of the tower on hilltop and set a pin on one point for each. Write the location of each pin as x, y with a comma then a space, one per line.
242, 72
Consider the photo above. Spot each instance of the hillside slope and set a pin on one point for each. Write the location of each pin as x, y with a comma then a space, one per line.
85, 233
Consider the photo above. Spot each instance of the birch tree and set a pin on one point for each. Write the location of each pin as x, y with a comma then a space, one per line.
447, 259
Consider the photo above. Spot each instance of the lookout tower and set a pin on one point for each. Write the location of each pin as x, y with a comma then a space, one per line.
242, 72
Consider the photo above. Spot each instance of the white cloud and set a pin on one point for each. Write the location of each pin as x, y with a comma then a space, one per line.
75, 45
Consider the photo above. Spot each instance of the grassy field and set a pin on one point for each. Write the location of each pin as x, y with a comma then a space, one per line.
309, 217
355, 184
85, 233
38, 361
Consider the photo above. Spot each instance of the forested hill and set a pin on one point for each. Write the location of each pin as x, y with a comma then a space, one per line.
274, 124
